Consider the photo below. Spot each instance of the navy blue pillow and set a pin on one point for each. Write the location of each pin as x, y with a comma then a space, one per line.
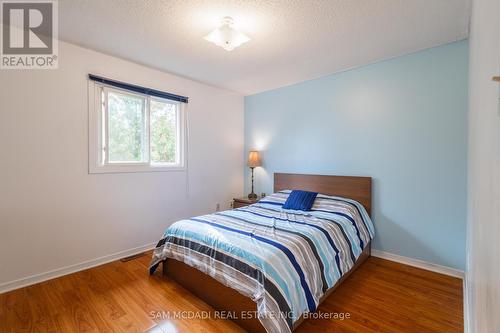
300, 200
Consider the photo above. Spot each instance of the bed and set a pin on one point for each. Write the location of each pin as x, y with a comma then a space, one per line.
268, 267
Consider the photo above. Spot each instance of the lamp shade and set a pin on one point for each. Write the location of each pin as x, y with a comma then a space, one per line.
253, 159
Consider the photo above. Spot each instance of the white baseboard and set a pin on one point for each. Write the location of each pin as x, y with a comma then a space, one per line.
467, 320
418, 263
37, 278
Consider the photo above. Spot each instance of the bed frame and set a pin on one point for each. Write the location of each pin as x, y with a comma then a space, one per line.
223, 298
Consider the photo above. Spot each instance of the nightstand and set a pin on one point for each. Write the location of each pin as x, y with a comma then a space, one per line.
242, 202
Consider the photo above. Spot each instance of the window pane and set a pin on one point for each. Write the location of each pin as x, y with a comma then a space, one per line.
163, 132
126, 128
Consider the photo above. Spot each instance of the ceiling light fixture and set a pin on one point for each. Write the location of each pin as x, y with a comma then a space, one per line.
226, 36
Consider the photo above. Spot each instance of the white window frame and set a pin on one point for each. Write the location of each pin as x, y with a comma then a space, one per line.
97, 122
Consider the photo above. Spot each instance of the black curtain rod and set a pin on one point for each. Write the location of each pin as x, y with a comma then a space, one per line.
139, 89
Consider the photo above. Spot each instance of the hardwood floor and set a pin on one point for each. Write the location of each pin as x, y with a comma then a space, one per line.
381, 296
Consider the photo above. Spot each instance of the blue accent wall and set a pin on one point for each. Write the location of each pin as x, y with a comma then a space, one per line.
401, 121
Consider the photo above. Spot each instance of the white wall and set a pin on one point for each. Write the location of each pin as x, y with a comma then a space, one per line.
483, 246
53, 213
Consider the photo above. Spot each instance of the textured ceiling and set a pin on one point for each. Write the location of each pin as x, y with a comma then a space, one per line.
292, 40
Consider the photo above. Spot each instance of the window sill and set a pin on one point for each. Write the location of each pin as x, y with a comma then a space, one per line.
133, 169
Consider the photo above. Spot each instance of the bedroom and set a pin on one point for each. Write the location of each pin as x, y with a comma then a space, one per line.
275, 165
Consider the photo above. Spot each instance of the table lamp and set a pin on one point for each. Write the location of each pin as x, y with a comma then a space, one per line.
253, 161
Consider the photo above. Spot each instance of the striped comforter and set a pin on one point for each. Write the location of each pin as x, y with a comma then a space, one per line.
284, 260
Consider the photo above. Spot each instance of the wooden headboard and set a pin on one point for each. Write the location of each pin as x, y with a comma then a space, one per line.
357, 188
